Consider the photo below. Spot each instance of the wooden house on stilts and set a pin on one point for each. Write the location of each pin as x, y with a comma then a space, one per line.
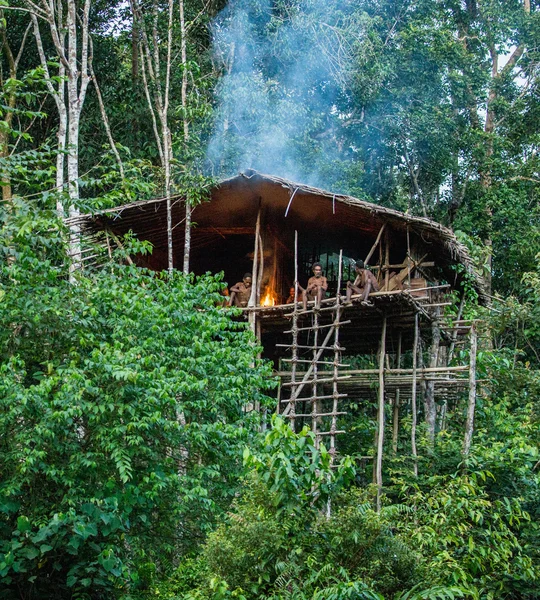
398, 353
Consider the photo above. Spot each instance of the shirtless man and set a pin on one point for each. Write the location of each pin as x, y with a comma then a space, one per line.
290, 299
316, 286
364, 283
241, 292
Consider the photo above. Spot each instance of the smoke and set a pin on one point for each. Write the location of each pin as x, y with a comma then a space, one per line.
283, 97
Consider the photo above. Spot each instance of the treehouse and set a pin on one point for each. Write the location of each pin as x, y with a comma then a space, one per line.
276, 229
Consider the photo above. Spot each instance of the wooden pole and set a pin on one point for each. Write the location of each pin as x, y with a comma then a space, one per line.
260, 271
413, 396
374, 247
430, 408
279, 388
455, 332
395, 416
469, 424
408, 259
380, 420
387, 261
315, 365
335, 392
253, 297
294, 391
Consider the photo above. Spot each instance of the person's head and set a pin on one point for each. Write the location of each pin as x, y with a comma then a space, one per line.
317, 269
247, 279
291, 291
359, 265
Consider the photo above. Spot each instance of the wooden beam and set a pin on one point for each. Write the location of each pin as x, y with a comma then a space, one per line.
374, 247
380, 416
395, 412
387, 261
413, 397
253, 297
469, 424
222, 231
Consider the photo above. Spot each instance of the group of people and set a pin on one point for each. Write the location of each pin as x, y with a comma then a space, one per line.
317, 285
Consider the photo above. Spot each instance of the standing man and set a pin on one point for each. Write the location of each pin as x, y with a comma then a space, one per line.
364, 283
316, 286
241, 292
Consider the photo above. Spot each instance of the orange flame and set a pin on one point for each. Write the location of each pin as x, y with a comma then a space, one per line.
269, 298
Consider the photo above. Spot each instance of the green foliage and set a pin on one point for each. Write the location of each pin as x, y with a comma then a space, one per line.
122, 422
104, 187
471, 539
122, 416
279, 542
295, 471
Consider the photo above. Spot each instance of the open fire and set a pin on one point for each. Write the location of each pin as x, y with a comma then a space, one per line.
269, 298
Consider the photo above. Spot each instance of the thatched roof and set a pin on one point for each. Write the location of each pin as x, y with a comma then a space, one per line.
235, 202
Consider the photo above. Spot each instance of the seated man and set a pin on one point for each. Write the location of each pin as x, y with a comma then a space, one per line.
316, 286
241, 292
290, 299
364, 283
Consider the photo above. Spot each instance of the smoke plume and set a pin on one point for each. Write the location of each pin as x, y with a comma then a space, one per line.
283, 96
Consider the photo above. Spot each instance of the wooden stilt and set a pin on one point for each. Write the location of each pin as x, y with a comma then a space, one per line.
279, 388
408, 259
291, 408
380, 415
469, 424
395, 415
386, 261
413, 396
314, 405
429, 398
455, 332
315, 366
337, 359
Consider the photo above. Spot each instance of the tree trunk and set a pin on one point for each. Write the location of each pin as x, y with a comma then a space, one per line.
75, 66
59, 95
183, 49
158, 99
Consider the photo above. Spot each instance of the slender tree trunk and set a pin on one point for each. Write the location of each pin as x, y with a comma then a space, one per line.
75, 66
61, 142
12, 64
183, 48
59, 95
167, 141
158, 99
134, 52
76, 97
106, 124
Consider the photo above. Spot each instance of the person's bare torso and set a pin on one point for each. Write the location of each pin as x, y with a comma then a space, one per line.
316, 282
242, 294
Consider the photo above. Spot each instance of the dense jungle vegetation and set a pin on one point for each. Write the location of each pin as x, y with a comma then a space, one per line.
129, 467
